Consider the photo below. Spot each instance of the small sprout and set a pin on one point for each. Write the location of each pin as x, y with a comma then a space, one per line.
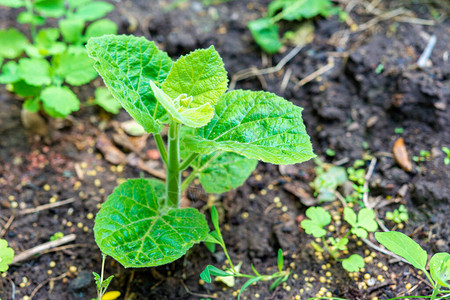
330, 152
379, 68
56, 236
399, 130
446, 150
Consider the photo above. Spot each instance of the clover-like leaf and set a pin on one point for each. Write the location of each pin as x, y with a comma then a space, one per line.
404, 246
59, 102
76, 67
200, 74
182, 110
366, 219
104, 99
319, 218
440, 269
127, 64
6, 255
35, 71
223, 171
12, 43
257, 125
353, 263
135, 228
350, 216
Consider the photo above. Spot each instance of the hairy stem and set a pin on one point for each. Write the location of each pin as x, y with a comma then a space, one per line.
173, 181
161, 147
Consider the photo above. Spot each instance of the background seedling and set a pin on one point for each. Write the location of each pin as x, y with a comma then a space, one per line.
407, 248
399, 215
446, 150
39, 77
103, 284
6, 255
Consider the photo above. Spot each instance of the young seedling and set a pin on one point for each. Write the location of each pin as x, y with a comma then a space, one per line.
6, 256
360, 224
328, 179
219, 135
446, 150
215, 237
424, 155
56, 236
265, 30
39, 77
404, 246
399, 215
103, 284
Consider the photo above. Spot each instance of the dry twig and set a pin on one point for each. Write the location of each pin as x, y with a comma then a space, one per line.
44, 283
316, 73
46, 206
7, 225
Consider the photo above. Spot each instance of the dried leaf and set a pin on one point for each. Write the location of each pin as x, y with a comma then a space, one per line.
401, 155
111, 152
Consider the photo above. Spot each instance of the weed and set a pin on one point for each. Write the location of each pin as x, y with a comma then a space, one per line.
6, 255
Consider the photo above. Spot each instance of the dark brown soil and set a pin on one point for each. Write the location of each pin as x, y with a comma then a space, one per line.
350, 109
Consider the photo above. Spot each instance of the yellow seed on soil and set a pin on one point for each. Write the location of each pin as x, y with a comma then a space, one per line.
52, 264
22, 284
113, 168
284, 209
270, 187
90, 150
46, 188
287, 288
322, 279
11, 198
76, 185
14, 204
419, 272
201, 282
91, 173
112, 295
80, 225
362, 270
328, 294
368, 259
263, 192
374, 298
101, 191
305, 271
90, 216
345, 251
292, 265
358, 243
83, 165
366, 252
25, 298
323, 289
331, 228
408, 286
380, 265
323, 267
235, 293
380, 278
69, 224
367, 276
297, 297
385, 268
244, 215
121, 180
119, 169
258, 177
53, 199
350, 204
295, 276
257, 295
97, 182
99, 205
85, 229
251, 196
301, 291
354, 27
328, 274
72, 269
276, 199
278, 205
400, 226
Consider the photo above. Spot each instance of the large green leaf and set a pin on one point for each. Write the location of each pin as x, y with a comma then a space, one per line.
127, 64
50, 8
100, 27
72, 29
77, 68
404, 246
265, 34
440, 269
258, 125
35, 71
181, 108
200, 74
10, 73
12, 3
223, 171
136, 229
93, 10
59, 102
12, 43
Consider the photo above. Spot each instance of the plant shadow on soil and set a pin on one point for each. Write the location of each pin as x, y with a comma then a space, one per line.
349, 106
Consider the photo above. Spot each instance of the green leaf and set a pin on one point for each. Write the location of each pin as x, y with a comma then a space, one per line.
223, 171
93, 10
127, 64
350, 216
277, 282
319, 218
440, 269
98, 280
71, 29
77, 68
212, 271
247, 284
257, 125
32, 105
366, 219
12, 43
46, 44
200, 74
100, 28
403, 246
50, 8
26, 17
23, 89
265, 34
59, 102
353, 263
35, 71
182, 110
297, 10
6, 255
136, 229
215, 219
12, 3
106, 282
280, 260
77, 3
10, 73
105, 100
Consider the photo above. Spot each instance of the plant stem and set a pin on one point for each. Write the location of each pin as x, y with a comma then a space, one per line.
161, 147
435, 291
100, 291
185, 164
29, 6
173, 181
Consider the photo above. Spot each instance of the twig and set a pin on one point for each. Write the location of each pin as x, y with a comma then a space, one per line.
366, 183
62, 248
196, 294
7, 225
38, 249
427, 52
46, 206
44, 283
387, 252
286, 79
130, 280
316, 73
381, 17
381, 224
251, 72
